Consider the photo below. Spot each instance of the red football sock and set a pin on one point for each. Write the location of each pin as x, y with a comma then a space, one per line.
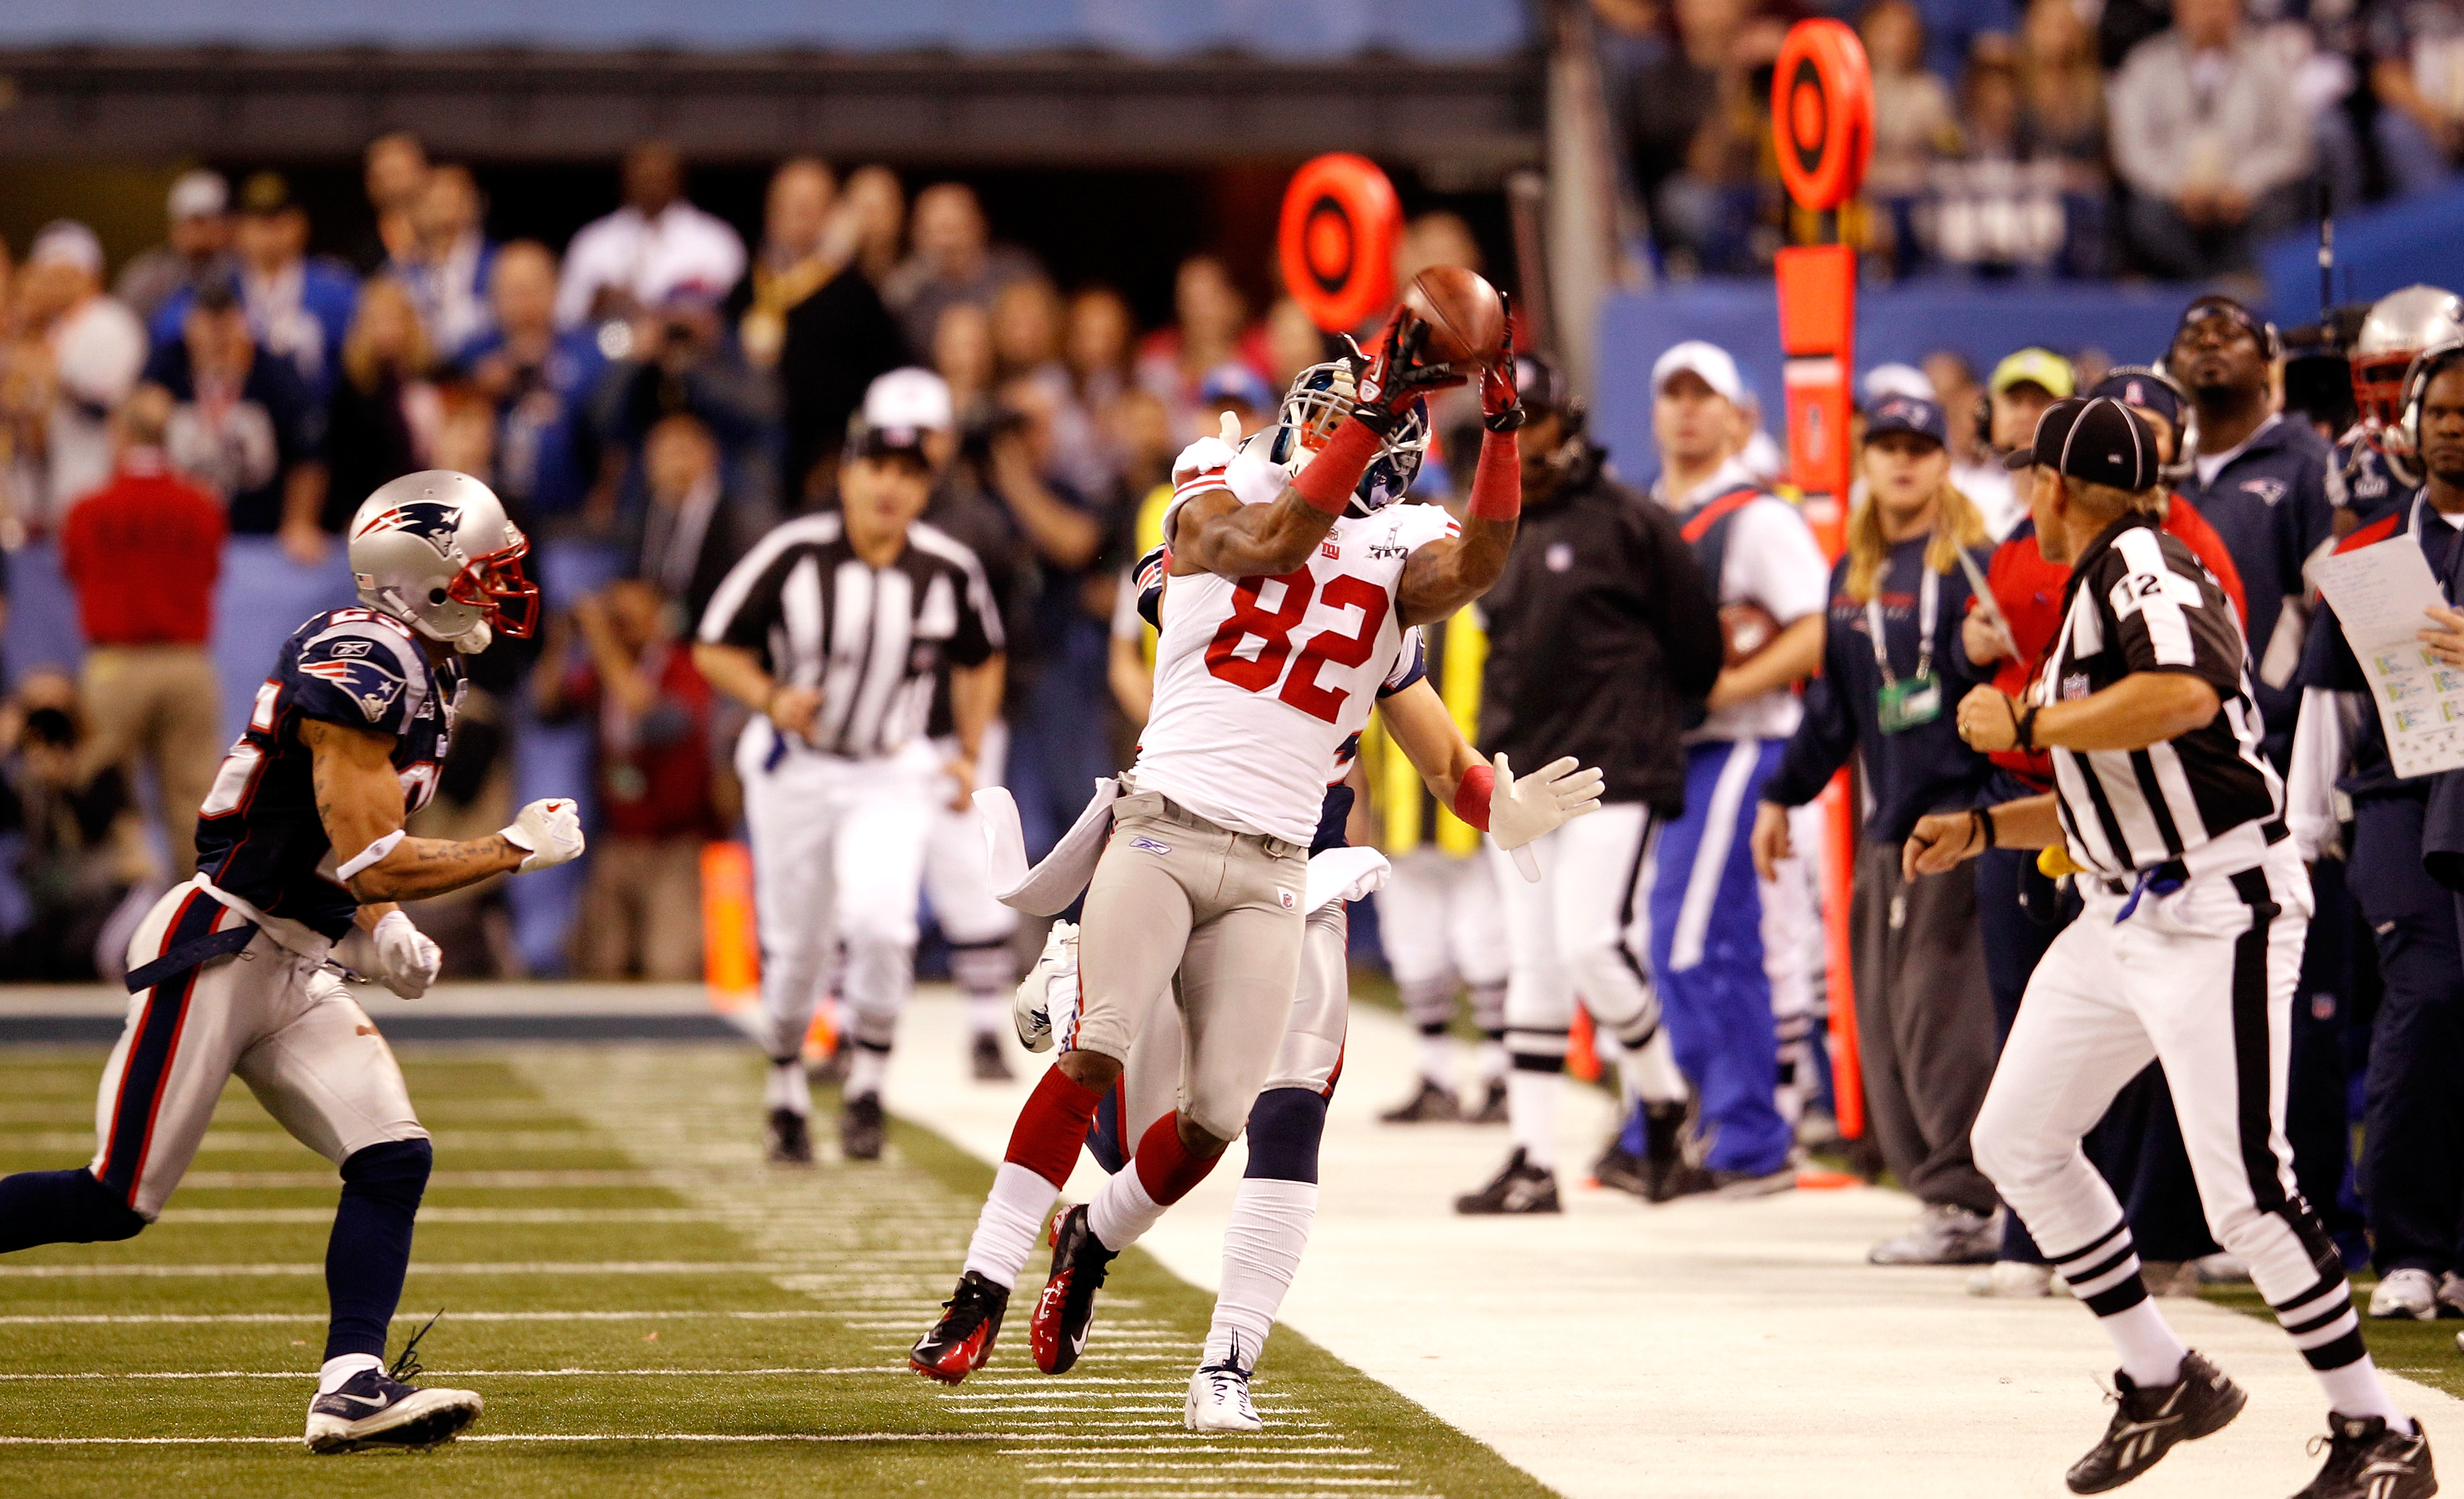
1053, 1126
1165, 1167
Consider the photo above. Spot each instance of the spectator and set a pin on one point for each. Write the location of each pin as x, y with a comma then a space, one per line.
1961, 33
199, 211
1026, 347
962, 355
538, 382
447, 274
2206, 134
243, 424
142, 553
78, 355
640, 909
649, 250
1212, 326
1892, 674
793, 260
393, 169
2416, 60
81, 857
835, 335
691, 531
2019, 391
1667, 97
384, 415
1912, 124
953, 261
873, 207
1707, 206
1293, 342
2061, 91
682, 360
299, 306
1998, 205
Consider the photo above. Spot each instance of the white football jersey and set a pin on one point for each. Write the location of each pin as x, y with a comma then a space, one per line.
1260, 681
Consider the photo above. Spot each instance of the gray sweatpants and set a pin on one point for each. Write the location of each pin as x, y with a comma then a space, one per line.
1175, 893
1924, 1023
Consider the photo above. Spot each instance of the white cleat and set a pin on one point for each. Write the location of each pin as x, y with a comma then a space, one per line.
2406, 1294
1219, 1400
374, 1410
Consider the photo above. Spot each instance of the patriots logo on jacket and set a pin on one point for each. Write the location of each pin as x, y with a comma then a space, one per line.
363, 679
2269, 491
430, 520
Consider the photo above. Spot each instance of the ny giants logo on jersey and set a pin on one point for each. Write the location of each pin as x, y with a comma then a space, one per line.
364, 680
431, 522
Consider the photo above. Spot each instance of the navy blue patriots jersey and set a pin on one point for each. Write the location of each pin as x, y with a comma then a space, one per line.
258, 834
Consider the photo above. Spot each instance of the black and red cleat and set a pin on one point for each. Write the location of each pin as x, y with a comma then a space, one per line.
960, 1343
1080, 1262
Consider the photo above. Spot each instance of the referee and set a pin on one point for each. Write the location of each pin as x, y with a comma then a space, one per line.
833, 629
2186, 953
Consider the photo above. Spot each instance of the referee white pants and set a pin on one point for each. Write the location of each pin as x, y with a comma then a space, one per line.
838, 857
1441, 923
282, 1024
1569, 935
958, 880
2202, 981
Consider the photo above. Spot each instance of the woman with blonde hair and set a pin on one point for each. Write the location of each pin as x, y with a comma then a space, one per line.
1892, 674
384, 415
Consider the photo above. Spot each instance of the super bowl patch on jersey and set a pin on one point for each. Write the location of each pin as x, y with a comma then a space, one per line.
365, 679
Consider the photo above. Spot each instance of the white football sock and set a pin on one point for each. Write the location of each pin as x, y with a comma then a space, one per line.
1262, 1247
2357, 1390
988, 1013
1123, 1211
788, 1088
1531, 1113
1437, 1059
1010, 1223
867, 1071
1492, 1062
337, 1370
1649, 1071
2151, 1354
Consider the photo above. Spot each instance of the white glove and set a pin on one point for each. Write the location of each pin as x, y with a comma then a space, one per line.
549, 832
1206, 455
395, 954
1047, 988
1520, 811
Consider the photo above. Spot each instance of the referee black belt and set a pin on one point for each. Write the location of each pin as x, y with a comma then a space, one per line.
2172, 874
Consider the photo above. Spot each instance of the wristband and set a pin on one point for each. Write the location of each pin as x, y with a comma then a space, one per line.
1497, 483
1981, 822
1472, 796
2024, 726
1327, 482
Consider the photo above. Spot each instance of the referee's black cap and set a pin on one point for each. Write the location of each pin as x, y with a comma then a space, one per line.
2097, 439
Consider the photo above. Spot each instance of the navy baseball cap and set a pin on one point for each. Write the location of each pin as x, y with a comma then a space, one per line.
1231, 383
1908, 414
2096, 439
2137, 384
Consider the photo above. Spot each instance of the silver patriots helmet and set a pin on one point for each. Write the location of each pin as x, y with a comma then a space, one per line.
2399, 327
436, 551
1319, 400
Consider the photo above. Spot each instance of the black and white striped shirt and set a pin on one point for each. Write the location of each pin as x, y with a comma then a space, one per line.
2140, 601
873, 640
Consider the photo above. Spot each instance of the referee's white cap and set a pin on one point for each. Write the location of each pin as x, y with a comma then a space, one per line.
913, 398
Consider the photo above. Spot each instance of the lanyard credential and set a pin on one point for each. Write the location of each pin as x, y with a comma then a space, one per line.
1917, 701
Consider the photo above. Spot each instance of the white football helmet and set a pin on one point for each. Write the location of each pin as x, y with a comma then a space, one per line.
436, 551
1320, 399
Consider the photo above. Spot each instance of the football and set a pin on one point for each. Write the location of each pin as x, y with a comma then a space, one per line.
1465, 316
1745, 629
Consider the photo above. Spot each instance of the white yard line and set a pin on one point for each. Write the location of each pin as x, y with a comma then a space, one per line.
478, 1374
318, 1319
417, 1267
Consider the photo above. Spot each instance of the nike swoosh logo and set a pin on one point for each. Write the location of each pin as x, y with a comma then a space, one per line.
359, 1400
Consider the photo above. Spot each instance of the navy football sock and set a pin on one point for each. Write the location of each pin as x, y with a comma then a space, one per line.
370, 1250
61, 1207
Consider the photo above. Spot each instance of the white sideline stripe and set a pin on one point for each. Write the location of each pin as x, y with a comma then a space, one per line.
167, 1318
507, 1267
467, 1373
611, 1178
468, 1215
1200, 1462
1196, 1443
533, 1436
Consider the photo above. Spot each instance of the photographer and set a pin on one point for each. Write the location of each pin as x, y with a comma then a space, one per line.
80, 860
681, 359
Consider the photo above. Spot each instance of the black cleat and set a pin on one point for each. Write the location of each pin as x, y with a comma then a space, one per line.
373, 1409
1431, 1105
1520, 1188
791, 1142
1663, 1146
1492, 1104
861, 1127
2146, 1424
985, 1057
2367, 1461
962, 1341
1080, 1262
1622, 1169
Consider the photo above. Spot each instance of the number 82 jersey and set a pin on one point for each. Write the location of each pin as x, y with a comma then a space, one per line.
1260, 681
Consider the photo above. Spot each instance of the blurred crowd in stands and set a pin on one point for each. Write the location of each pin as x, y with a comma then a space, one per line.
2044, 138
655, 395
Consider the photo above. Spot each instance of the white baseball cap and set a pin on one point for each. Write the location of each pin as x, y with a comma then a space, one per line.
68, 241
912, 397
198, 194
1709, 362
1884, 381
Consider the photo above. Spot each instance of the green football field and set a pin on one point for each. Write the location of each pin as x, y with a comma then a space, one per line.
646, 1306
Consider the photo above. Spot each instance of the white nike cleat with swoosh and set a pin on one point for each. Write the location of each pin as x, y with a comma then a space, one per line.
375, 1410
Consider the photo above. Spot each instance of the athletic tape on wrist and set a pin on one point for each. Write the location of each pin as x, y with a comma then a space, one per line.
1327, 482
1472, 796
373, 854
1497, 483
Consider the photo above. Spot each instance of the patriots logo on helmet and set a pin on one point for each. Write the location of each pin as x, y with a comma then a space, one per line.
366, 681
433, 522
